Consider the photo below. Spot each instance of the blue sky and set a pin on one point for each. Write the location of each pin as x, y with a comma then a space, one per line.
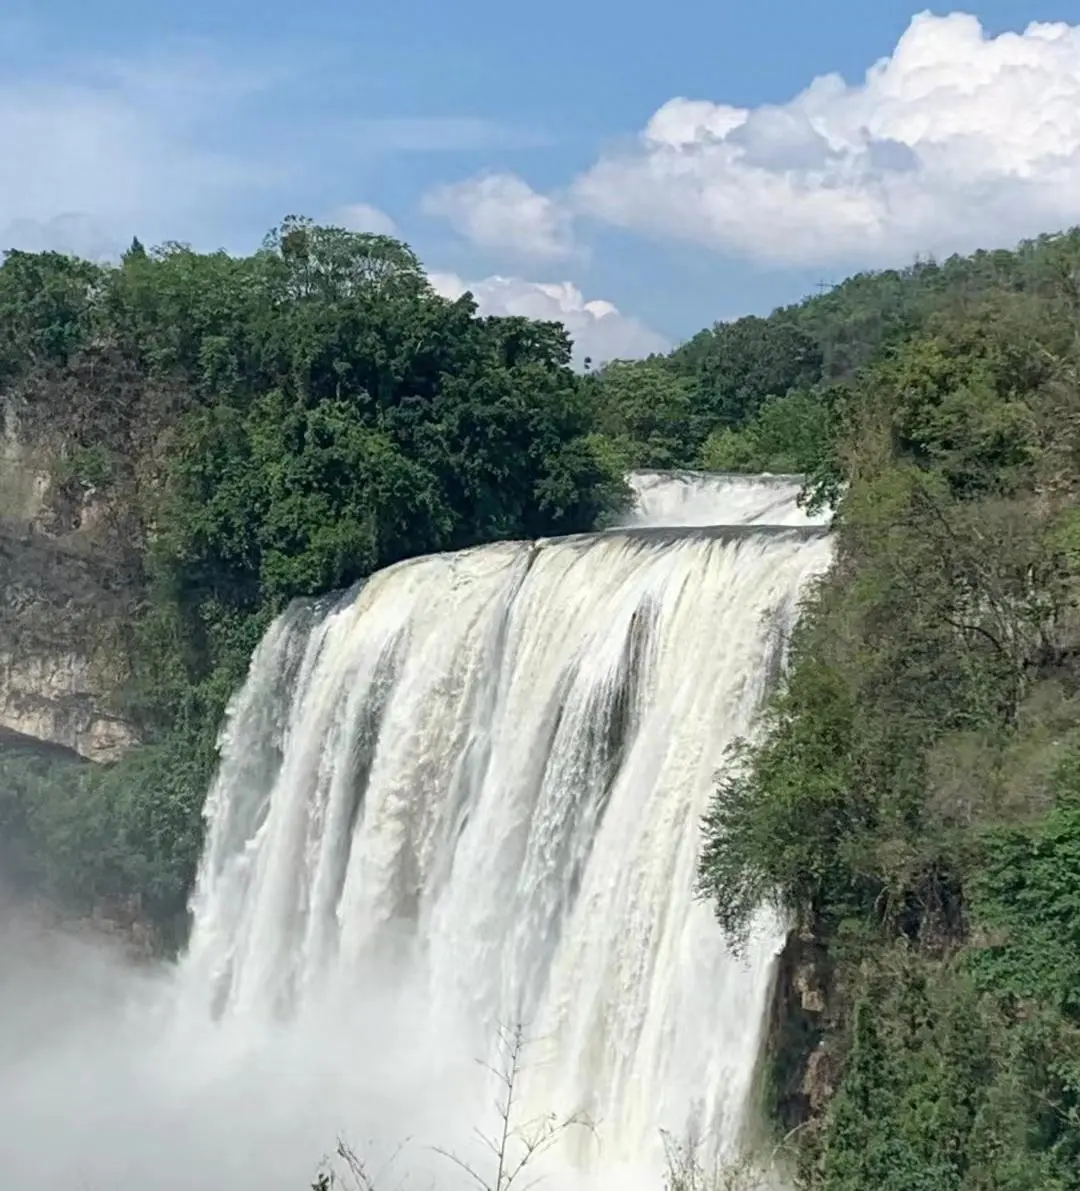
540, 153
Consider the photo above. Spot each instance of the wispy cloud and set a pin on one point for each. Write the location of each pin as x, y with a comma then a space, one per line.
599, 330
438, 134
362, 217
119, 145
70, 232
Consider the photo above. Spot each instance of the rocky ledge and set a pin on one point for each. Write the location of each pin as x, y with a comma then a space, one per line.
63, 609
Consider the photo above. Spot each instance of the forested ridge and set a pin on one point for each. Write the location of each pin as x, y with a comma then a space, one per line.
914, 800
250, 430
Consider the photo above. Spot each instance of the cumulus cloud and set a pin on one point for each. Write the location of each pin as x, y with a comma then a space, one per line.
117, 149
599, 330
502, 212
362, 217
955, 140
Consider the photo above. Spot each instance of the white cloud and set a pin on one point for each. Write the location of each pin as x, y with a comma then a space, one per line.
117, 149
362, 217
954, 141
502, 212
599, 330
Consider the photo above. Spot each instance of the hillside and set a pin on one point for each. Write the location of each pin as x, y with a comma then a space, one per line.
913, 802
193, 440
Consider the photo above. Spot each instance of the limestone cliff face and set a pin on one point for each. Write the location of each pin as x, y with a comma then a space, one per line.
801, 1067
54, 701
64, 603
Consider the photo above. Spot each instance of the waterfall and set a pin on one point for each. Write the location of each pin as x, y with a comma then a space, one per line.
469, 793
694, 498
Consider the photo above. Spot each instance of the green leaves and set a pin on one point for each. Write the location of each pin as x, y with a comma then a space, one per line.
783, 812
646, 410
788, 435
1026, 900
47, 302
261, 428
911, 799
125, 837
331, 264
736, 366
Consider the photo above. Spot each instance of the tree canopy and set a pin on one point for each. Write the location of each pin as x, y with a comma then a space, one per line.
246, 430
254, 429
911, 800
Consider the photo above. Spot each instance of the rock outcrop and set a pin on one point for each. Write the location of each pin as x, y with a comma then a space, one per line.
67, 595
801, 1070
63, 612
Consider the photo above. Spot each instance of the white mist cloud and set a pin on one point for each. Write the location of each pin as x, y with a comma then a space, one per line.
502, 212
599, 329
362, 217
954, 141
72, 232
105, 1083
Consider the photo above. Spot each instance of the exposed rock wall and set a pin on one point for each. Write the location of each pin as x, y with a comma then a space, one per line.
23, 482
800, 1068
63, 612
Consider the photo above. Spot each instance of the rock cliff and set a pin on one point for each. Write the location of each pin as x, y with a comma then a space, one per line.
62, 614
65, 601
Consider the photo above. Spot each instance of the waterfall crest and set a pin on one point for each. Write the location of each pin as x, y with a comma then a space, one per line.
696, 498
475, 786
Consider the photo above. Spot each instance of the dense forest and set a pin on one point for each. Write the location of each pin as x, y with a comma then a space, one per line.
256, 429
914, 799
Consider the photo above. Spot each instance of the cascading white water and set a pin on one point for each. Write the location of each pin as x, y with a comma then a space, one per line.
474, 788
697, 498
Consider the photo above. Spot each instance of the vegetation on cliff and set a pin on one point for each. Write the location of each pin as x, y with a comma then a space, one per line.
233, 433
912, 801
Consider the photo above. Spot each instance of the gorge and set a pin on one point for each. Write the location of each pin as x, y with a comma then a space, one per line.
479, 772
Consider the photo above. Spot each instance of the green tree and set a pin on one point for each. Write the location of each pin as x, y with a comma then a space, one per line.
788, 435
735, 367
910, 798
260, 428
645, 410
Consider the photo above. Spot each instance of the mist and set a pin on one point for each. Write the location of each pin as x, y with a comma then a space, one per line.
106, 1085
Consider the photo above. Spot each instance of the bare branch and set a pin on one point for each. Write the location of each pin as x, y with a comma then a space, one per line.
517, 1145
477, 1178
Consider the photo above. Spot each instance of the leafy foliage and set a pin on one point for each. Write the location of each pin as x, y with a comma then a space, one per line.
244, 431
645, 410
911, 799
123, 838
788, 434
261, 428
